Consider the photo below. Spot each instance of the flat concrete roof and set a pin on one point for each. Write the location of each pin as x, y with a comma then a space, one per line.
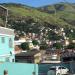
6, 31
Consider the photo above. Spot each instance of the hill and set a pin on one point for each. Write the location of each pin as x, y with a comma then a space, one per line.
28, 19
18, 10
65, 11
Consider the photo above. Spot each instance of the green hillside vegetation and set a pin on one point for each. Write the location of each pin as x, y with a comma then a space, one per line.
28, 19
22, 11
64, 11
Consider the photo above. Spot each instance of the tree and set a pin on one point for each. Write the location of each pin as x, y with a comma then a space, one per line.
70, 34
35, 42
43, 45
53, 36
71, 46
58, 45
25, 46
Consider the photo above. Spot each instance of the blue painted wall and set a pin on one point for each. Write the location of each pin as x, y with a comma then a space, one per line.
4, 47
19, 68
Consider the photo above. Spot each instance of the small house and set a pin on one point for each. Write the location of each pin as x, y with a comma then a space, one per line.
33, 56
51, 56
6, 45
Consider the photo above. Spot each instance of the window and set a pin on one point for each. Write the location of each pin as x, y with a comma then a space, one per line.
3, 40
10, 43
7, 59
61, 67
52, 68
13, 60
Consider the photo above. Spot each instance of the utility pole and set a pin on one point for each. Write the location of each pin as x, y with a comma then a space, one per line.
55, 13
6, 18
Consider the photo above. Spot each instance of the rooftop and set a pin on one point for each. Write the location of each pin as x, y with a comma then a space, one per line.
3, 7
6, 31
28, 53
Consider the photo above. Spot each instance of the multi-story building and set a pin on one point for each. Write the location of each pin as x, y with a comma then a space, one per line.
6, 45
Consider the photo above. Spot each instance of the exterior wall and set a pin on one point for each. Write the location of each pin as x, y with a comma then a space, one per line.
72, 67
6, 31
43, 68
6, 47
19, 68
37, 58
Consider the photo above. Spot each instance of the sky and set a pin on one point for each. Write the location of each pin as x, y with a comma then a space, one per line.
36, 3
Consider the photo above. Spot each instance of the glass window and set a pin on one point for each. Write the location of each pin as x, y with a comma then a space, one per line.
52, 68
10, 43
61, 67
13, 60
3, 40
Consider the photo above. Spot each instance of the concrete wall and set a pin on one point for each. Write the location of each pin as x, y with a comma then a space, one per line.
19, 68
5, 49
72, 67
43, 68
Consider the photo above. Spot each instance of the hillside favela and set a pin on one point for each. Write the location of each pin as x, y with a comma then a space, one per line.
37, 37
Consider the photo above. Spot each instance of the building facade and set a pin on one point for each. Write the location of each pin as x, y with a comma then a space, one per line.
32, 56
6, 45
19, 68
